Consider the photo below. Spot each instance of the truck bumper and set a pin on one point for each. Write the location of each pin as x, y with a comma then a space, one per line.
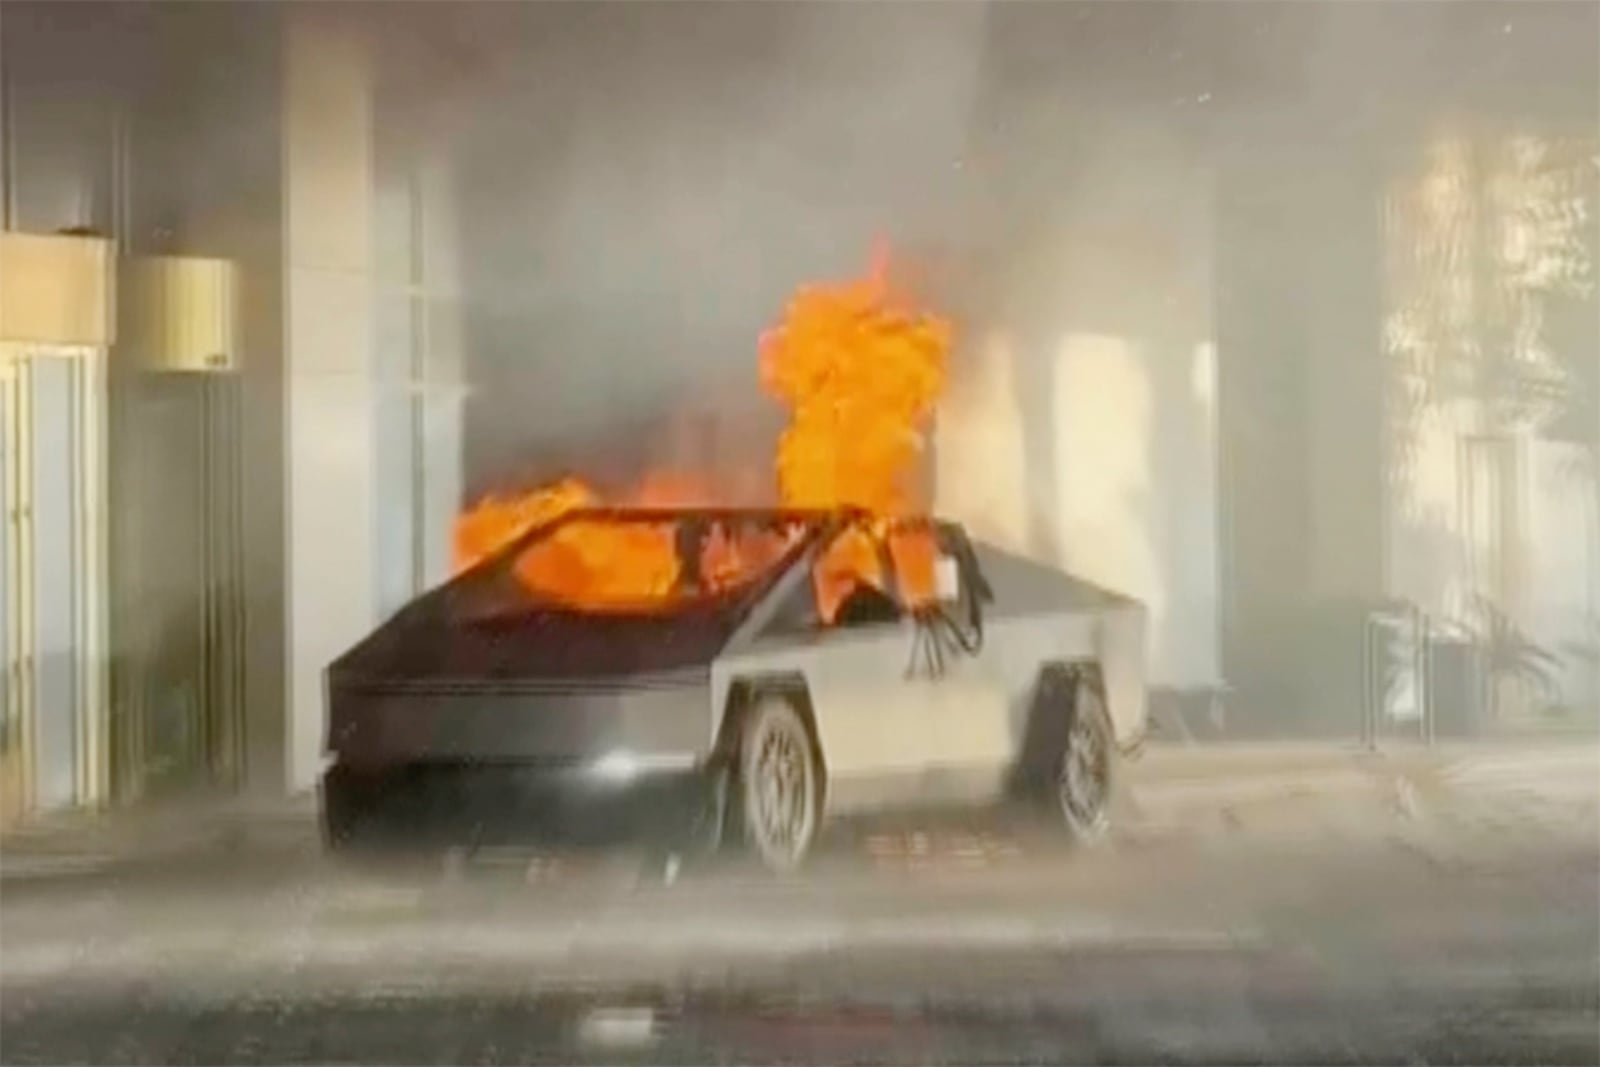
603, 801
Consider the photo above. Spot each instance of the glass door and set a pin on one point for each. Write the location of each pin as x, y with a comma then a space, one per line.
51, 404
176, 595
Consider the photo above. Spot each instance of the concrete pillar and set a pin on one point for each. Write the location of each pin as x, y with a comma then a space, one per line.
417, 376
1078, 427
1299, 317
328, 286
442, 388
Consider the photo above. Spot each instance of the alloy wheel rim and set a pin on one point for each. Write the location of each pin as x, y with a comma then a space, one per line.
1082, 783
782, 791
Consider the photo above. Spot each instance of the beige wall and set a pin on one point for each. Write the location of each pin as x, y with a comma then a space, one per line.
1080, 424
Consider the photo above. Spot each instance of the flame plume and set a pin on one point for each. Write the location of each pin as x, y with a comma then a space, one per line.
860, 369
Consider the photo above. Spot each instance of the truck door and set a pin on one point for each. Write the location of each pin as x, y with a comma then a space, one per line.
971, 736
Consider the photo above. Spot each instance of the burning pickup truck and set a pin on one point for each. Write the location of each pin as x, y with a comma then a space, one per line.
776, 667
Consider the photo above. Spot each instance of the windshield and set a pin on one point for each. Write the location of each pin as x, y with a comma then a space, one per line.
614, 564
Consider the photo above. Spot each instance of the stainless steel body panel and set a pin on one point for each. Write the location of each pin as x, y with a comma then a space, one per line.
874, 722
1047, 617
889, 735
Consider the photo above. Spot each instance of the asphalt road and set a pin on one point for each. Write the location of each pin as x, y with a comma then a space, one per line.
956, 939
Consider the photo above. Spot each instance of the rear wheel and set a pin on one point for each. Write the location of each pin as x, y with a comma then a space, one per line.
348, 799
780, 784
1086, 764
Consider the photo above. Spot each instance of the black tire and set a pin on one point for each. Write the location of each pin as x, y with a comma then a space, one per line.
1083, 779
780, 784
347, 800
710, 819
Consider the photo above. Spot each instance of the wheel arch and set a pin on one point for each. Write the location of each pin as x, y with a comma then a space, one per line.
1044, 726
744, 693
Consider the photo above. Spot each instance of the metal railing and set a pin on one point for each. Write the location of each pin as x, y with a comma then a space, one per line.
1384, 665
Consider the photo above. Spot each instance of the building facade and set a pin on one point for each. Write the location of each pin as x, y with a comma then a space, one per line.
1269, 316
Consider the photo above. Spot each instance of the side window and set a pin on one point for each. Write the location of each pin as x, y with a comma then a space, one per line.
877, 575
852, 581
866, 576
866, 603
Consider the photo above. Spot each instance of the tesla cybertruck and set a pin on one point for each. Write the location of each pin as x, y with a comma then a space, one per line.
760, 708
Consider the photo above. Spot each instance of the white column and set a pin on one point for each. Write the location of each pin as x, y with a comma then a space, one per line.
443, 385
328, 286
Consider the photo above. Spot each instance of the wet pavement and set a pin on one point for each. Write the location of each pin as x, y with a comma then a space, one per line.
1377, 928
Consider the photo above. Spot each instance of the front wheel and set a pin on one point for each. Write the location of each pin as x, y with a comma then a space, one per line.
780, 783
1085, 767
348, 798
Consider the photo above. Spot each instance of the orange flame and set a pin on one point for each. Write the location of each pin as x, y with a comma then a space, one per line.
496, 520
728, 559
603, 564
849, 563
915, 553
860, 369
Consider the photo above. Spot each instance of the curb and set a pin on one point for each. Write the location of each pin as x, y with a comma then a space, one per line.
1183, 785
82, 844
1165, 787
